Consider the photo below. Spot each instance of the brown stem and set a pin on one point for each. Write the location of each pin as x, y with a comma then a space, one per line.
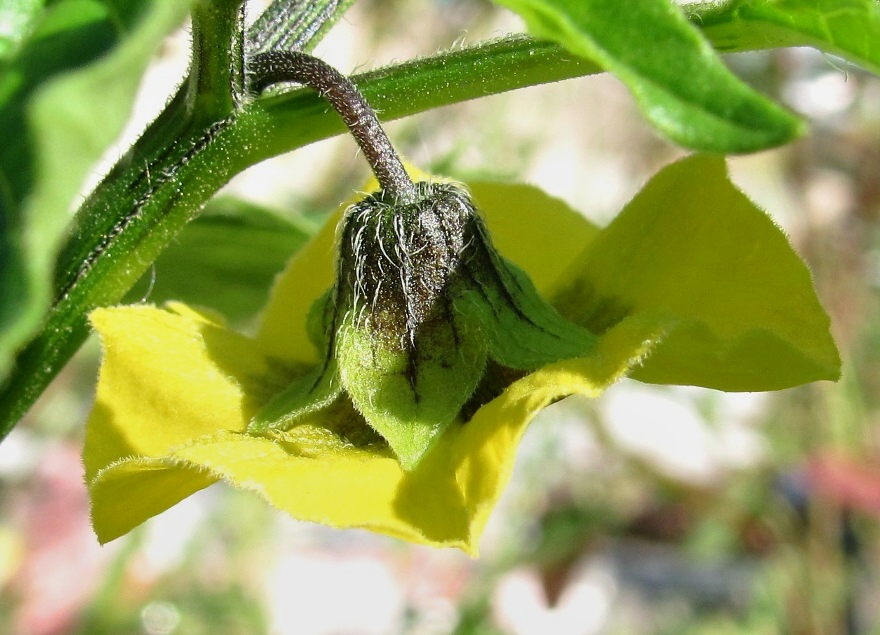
270, 68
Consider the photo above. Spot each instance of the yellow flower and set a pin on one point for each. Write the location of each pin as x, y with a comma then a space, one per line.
177, 389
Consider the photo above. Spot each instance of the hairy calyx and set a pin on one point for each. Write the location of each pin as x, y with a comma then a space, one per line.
421, 300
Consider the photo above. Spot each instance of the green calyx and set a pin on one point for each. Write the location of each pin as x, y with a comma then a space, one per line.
421, 302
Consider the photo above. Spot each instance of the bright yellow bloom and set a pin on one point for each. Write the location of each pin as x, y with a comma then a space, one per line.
177, 389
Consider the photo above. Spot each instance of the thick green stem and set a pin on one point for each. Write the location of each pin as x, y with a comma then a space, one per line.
216, 81
211, 92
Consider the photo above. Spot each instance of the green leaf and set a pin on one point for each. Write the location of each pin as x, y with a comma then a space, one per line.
693, 247
523, 330
306, 395
294, 26
679, 82
64, 96
526, 332
225, 259
849, 28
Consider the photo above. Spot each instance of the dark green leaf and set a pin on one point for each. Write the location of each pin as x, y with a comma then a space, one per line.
224, 260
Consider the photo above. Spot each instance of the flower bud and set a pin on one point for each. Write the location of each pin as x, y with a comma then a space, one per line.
421, 301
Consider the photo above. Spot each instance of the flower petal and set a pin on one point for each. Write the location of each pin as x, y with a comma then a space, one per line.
176, 391
125, 494
306, 278
313, 474
693, 245
527, 224
167, 377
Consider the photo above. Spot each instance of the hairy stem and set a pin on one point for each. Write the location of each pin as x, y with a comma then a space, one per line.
288, 66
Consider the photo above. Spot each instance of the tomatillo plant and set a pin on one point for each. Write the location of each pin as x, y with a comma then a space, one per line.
386, 388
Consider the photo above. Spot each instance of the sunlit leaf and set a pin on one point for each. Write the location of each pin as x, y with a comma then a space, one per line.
16, 20
680, 83
849, 28
65, 94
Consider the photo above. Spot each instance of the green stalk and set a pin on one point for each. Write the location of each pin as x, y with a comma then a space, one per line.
216, 81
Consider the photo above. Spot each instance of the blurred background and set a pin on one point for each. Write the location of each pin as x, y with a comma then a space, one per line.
654, 510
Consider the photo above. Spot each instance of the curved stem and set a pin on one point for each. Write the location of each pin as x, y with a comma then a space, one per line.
289, 66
